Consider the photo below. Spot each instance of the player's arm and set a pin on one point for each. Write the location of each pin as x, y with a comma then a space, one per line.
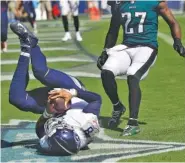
167, 15
112, 35
93, 99
41, 121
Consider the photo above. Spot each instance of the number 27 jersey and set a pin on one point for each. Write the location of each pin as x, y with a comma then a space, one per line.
140, 23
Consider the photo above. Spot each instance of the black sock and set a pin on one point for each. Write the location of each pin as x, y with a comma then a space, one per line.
110, 85
134, 96
30, 19
65, 23
118, 106
76, 23
132, 122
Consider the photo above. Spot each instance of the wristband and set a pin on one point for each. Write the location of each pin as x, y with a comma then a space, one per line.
73, 92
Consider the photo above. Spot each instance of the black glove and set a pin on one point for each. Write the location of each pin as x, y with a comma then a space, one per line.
179, 47
102, 59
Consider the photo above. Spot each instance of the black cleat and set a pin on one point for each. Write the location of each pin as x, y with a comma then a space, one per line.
116, 115
27, 38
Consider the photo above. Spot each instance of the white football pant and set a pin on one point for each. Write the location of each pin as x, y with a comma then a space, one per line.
69, 6
128, 61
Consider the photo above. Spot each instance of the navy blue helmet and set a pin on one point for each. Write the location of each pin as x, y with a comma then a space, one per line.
64, 142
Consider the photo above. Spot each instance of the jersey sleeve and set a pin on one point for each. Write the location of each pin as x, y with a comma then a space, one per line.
93, 99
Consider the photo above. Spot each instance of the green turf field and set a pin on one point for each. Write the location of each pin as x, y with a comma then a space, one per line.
161, 115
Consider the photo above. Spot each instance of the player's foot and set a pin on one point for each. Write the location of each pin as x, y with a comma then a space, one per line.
130, 130
78, 36
27, 38
4, 47
67, 37
116, 115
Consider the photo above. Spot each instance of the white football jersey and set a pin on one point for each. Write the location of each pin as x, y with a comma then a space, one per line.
80, 121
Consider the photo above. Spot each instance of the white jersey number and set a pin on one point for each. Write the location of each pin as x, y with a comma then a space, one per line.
129, 18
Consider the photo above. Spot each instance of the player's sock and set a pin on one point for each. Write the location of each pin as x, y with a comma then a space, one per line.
76, 23
31, 21
65, 23
132, 122
110, 86
134, 96
117, 106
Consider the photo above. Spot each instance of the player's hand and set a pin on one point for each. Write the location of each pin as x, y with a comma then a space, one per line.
102, 59
179, 47
60, 93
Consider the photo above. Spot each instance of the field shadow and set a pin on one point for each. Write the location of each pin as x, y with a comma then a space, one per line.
104, 122
32, 143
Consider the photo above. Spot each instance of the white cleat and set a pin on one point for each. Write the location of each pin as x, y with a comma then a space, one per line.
67, 37
78, 36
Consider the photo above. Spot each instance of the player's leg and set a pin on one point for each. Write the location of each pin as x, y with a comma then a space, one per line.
17, 93
48, 9
142, 60
116, 64
4, 28
65, 12
50, 77
74, 7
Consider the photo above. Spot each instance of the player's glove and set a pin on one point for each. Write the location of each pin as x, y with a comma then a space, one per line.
179, 47
102, 59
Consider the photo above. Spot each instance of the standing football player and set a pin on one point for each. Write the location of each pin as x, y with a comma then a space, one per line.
67, 130
37, 100
135, 55
70, 6
30, 10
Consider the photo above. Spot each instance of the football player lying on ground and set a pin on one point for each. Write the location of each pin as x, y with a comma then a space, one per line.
65, 129
37, 100
135, 55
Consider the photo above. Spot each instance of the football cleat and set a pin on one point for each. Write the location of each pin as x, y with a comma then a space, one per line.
116, 115
130, 130
78, 36
27, 38
67, 37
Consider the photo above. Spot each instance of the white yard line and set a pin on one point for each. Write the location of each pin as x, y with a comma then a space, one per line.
16, 42
47, 49
168, 39
51, 59
9, 76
